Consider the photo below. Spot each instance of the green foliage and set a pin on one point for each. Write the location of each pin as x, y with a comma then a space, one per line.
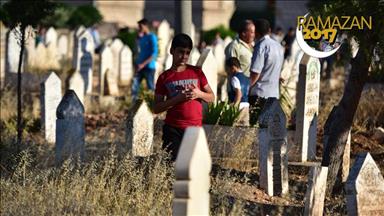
86, 15
212, 114
27, 13
128, 37
229, 115
221, 113
147, 96
209, 36
60, 16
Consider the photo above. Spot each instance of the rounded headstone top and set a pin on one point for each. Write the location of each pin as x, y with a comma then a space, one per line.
70, 106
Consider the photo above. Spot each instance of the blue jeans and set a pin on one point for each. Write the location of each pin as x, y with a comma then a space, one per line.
148, 75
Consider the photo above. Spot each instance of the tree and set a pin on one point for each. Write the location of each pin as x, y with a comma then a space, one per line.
340, 119
86, 15
23, 14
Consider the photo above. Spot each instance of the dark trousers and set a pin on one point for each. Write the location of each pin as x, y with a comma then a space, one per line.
172, 137
256, 104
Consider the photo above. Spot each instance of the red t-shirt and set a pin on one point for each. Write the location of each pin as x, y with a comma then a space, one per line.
170, 83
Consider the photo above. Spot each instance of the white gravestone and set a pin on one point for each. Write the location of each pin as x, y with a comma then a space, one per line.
365, 187
126, 66
193, 165
163, 34
62, 46
168, 57
315, 195
70, 128
218, 52
84, 51
75, 44
50, 97
308, 107
51, 37
194, 56
140, 129
76, 83
106, 64
116, 47
13, 51
209, 66
3, 31
273, 149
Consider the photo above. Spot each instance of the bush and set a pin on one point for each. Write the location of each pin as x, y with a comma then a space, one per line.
209, 36
221, 113
128, 37
86, 15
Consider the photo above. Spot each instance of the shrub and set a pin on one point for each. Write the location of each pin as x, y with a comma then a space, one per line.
213, 112
86, 15
209, 36
229, 115
221, 113
128, 37
60, 17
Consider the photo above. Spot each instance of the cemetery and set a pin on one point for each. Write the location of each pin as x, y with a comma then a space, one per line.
83, 146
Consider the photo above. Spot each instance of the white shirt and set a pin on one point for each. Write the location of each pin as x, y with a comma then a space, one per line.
267, 60
235, 82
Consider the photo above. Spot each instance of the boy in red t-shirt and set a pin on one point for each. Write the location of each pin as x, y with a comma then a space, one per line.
179, 91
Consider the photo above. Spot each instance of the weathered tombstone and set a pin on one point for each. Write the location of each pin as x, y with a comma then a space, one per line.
193, 165
365, 187
224, 90
194, 56
76, 45
163, 34
111, 83
168, 57
106, 64
140, 129
62, 46
83, 57
126, 66
209, 66
13, 51
218, 52
51, 37
3, 31
273, 149
308, 107
346, 159
76, 83
116, 47
315, 195
50, 97
70, 128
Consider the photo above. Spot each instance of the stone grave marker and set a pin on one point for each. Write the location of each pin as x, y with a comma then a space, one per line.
3, 31
111, 83
194, 56
218, 52
273, 149
163, 34
75, 51
227, 40
209, 66
76, 83
13, 51
224, 90
106, 64
70, 128
50, 97
84, 50
51, 37
193, 165
116, 47
126, 66
140, 129
365, 187
168, 57
315, 195
308, 107
62, 46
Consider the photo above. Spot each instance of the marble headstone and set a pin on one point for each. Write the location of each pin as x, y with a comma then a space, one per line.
193, 165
